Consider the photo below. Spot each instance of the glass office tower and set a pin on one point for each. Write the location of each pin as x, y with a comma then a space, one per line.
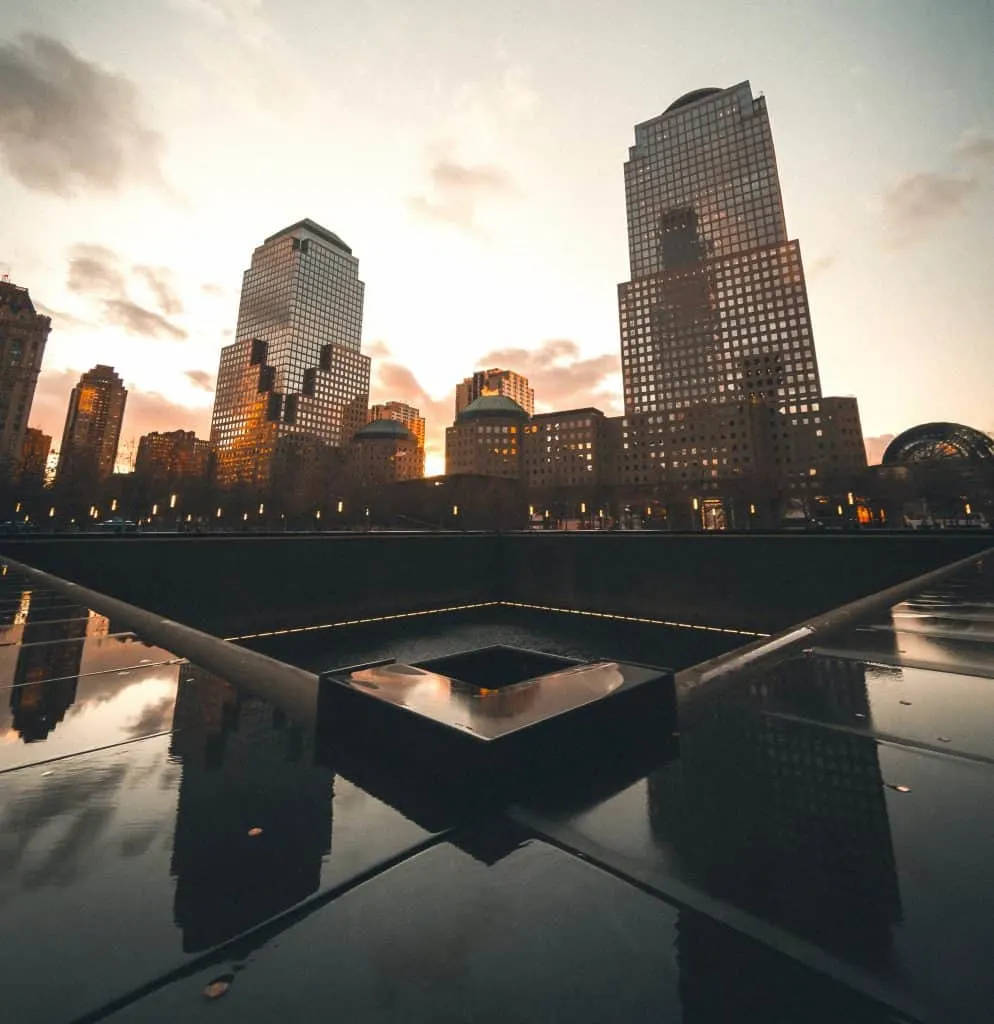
294, 372
717, 310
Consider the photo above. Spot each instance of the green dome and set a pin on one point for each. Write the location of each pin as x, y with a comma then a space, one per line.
393, 429
493, 406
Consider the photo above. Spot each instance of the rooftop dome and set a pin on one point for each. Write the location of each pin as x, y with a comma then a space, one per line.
691, 97
383, 429
929, 442
496, 406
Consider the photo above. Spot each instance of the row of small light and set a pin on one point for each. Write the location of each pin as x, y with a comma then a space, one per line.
495, 604
363, 622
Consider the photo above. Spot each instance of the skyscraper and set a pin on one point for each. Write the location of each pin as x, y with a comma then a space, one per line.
496, 382
295, 368
718, 360
23, 333
93, 425
717, 309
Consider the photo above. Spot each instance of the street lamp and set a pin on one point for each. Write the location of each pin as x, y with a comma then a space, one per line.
218, 516
172, 500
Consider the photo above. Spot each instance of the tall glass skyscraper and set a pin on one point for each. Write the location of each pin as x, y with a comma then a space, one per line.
717, 309
294, 374
93, 426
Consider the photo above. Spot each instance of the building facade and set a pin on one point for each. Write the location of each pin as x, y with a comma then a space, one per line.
295, 367
496, 382
34, 454
565, 449
93, 425
408, 415
718, 360
172, 455
485, 438
384, 451
23, 333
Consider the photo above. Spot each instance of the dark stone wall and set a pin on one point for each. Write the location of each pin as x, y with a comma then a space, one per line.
243, 584
232, 585
743, 581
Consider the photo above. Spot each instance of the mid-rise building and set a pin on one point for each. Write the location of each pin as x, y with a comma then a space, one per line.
564, 449
408, 415
93, 425
34, 454
295, 367
486, 438
172, 455
23, 333
385, 451
496, 382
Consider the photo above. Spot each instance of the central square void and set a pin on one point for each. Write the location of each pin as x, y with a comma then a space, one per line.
496, 666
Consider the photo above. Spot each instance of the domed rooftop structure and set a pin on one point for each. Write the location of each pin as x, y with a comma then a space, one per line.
931, 442
383, 429
492, 406
691, 97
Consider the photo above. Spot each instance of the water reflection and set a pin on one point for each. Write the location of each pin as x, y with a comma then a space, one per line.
245, 766
48, 662
786, 818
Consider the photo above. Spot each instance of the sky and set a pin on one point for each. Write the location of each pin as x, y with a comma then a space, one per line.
471, 155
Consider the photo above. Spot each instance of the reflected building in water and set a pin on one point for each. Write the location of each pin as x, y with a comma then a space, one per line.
245, 766
784, 816
47, 671
295, 369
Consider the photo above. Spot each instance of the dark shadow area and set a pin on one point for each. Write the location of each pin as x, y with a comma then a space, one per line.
232, 585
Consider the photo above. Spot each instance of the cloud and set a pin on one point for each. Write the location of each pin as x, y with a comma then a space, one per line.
977, 146
820, 264
201, 378
138, 320
915, 204
560, 377
209, 288
918, 201
393, 382
146, 411
458, 190
66, 122
61, 321
159, 282
94, 269
377, 349
875, 448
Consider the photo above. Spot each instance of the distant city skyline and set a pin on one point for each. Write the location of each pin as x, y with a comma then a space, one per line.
478, 178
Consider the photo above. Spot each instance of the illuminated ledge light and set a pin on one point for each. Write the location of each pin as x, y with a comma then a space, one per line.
635, 618
362, 622
496, 604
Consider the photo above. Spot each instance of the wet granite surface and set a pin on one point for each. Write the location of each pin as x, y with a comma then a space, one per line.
816, 843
